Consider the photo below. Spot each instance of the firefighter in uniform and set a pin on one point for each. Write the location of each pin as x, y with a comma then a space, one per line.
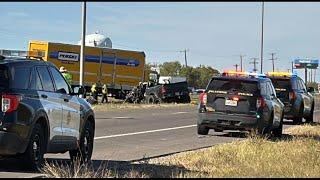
104, 93
66, 74
94, 91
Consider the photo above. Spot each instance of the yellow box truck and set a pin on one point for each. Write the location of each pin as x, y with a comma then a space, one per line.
119, 69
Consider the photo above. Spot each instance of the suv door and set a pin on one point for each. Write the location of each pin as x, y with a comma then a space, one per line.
50, 101
307, 100
276, 104
70, 107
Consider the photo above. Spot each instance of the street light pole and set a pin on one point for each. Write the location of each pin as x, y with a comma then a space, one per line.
82, 54
262, 37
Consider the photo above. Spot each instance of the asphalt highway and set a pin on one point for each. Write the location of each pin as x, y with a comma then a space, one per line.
127, 135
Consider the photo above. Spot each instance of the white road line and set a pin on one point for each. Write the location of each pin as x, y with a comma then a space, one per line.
179, 113
144, 132
122, 118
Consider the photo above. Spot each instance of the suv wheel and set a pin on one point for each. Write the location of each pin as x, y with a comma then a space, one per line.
202, 130
309, 119
84, 152
278, 131
34, 154
298, 120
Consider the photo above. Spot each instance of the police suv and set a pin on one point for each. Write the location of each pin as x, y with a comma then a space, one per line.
240, 101
298, 101
41, 114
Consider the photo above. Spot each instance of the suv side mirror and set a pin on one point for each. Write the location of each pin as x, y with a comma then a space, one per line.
78, 90
62, 91
310, 89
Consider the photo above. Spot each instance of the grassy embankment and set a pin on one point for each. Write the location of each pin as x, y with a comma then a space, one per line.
297, 154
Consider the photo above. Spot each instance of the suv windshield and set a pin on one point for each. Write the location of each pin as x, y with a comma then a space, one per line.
281, 84
232, 85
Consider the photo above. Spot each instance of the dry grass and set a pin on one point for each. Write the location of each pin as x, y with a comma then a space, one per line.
78, 170
296, 155
254, 157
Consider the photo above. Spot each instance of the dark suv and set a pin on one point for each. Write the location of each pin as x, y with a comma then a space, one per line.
240, 101
41, 114
299, 103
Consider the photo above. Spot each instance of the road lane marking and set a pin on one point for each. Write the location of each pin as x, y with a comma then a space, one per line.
179, 113
122, 118
144, 132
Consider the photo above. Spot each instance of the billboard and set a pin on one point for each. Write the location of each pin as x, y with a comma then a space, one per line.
306, 63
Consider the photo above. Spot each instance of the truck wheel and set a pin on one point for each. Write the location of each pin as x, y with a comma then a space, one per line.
309, 119
34, 154
84, 152
150, 99
298, 120
202, 130
157, 101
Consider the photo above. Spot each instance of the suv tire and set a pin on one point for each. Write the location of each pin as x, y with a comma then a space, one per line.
84, 152
309, 119
202, 130
298, 120
34, 154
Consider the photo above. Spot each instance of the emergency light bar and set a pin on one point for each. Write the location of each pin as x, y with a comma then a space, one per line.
281, 74
242, 74
19, 53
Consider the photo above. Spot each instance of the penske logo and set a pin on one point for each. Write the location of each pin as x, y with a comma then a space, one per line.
68, 56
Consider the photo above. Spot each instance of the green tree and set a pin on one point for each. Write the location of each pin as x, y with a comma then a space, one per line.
170, 68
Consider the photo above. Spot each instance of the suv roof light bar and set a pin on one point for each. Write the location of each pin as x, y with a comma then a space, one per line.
242, 74
281, 74
4, 53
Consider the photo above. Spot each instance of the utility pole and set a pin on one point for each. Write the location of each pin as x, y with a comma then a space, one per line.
254, 62
241, 56
272, 59
82, 54
185, 56
291, 66
261, 55
236, 65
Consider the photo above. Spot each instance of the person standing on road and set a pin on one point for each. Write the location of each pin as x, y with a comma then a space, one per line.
104, 93
66, 75
94, 91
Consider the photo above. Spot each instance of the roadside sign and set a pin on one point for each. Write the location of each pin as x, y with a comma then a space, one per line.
306, 63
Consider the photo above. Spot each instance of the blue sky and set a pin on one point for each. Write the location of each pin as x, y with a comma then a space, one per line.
215, 33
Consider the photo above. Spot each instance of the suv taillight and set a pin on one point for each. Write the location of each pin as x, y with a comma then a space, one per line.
203, 98
261, 103
292, 96
10, 102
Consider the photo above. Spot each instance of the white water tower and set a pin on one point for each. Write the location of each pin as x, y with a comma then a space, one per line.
97, 40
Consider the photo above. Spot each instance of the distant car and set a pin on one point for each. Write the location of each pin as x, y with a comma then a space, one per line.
240, 101
299, 102
41, 114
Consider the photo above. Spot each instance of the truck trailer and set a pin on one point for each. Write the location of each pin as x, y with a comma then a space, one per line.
120, 69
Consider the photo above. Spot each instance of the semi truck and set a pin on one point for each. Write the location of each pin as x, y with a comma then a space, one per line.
120, 69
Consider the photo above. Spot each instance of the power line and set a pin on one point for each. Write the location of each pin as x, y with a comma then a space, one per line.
236, 65
185, 56
241, 56
272, 59
254, 62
